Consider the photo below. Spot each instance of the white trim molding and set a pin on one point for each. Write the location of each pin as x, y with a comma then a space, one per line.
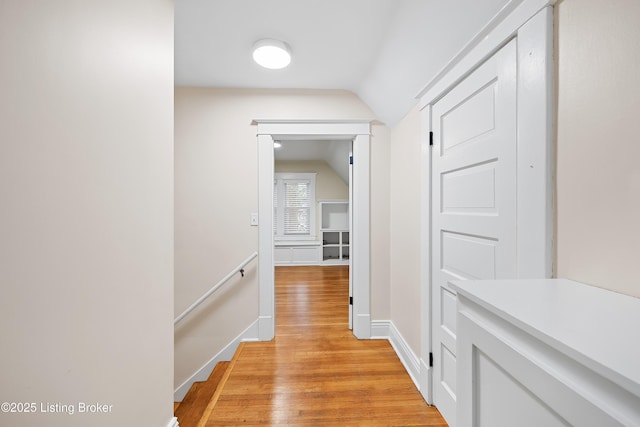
226, 354
319, 129
385, 329
173, 422
266, 328
425, 256
380, 329
500, 29
535, 108
359, 131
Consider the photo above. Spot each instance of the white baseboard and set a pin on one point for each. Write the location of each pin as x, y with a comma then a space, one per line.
173, 422
385, 329
226, 354
425, 374
266, 328
380, 329
362, 326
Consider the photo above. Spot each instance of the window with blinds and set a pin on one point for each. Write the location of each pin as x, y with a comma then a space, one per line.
294, 204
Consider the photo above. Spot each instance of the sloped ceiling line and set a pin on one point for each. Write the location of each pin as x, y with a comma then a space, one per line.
334, 153
385, 51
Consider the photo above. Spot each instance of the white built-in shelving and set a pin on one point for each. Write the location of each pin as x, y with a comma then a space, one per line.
334, 228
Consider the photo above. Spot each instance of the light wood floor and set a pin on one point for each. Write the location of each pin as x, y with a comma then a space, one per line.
315, 372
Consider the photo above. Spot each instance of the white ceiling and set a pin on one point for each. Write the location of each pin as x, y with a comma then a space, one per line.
334, 152
385, 51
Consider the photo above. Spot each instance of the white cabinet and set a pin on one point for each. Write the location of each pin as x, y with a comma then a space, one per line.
546, 353
334, 228
300, 252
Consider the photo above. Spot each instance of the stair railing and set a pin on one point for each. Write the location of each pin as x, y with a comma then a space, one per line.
238, 269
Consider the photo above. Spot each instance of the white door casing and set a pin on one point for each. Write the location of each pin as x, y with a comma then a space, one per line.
350, 228
359, 133
530, 24
474, 200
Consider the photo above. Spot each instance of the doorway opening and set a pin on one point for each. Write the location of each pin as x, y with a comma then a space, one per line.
311, 206
356, 253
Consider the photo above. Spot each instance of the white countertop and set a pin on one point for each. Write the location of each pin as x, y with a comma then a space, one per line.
597, 327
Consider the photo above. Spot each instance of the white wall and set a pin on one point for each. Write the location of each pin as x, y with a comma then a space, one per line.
598, 177
380, 224
215, 194
405, 228
86, 233
217, 190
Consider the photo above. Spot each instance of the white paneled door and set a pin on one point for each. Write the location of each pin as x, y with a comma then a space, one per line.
474, 200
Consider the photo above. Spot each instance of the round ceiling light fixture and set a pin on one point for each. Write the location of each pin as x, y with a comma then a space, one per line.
272, 54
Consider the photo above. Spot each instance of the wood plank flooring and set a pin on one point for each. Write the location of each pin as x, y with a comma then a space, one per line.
315, 372
195, 403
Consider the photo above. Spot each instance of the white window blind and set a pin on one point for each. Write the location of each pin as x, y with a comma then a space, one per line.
294, 206
297, 214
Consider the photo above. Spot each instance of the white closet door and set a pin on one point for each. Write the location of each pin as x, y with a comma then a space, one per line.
474, 200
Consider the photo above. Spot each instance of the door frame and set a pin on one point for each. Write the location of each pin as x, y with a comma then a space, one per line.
360, 133
530, 22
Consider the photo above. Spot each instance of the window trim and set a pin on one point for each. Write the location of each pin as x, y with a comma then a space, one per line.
279, 178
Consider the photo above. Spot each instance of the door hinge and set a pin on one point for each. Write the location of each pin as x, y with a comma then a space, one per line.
430, 139
350, 160
350, 300
431, 360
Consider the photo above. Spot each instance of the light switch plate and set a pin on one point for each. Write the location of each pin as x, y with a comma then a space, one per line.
254, 219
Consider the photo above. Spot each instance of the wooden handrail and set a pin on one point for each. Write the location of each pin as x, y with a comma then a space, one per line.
238, 269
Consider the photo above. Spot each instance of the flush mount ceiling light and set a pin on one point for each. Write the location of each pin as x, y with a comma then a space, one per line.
272, 54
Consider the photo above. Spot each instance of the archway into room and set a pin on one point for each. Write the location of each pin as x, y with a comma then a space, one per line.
358, 132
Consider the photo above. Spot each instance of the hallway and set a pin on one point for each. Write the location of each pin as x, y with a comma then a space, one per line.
315, 372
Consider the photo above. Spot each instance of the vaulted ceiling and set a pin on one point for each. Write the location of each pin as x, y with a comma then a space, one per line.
335, 153
385, 51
